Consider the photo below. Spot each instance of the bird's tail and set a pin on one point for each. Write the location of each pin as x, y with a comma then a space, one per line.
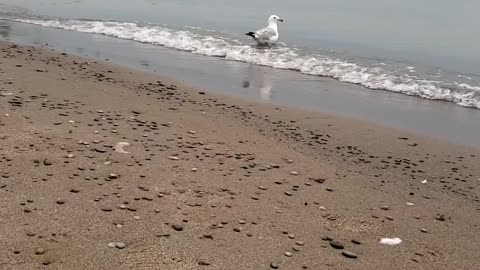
252, 34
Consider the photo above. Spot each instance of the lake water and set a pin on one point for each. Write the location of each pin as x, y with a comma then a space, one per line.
427, 49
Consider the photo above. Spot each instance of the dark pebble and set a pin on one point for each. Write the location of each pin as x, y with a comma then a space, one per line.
336, 244
177, 227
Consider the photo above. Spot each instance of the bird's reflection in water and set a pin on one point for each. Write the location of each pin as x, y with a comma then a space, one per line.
258, 78
5, 29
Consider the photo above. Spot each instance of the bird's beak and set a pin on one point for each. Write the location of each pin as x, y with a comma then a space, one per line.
280, 20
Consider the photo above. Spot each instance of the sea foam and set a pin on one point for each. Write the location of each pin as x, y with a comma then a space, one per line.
282, 57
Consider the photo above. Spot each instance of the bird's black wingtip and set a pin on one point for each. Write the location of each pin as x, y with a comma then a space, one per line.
252, 34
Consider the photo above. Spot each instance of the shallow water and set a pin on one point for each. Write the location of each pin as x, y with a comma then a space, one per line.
424, 49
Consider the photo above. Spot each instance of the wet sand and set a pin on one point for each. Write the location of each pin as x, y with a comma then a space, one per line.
283, 87
103, 167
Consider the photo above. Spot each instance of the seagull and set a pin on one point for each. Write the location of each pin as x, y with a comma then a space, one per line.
269, 34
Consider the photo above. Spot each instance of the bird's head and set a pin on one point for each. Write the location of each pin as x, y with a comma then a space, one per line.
274, 19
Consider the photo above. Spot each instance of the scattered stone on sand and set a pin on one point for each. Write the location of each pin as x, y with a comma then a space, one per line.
177, 227
337, 245
356, 242
203, 263
120, 245
40, 251
47, 162
274, 265
349, 254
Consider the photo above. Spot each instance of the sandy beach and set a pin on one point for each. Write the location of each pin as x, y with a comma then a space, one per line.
103, 167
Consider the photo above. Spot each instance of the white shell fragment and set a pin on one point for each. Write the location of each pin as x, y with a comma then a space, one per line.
119, 147
391, 241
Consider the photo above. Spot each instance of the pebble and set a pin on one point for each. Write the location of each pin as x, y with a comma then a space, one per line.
337, 245
288, 254
294, 173
384, 208
120, 245
424, 230
60, 202
177, 227
349, 254
47, 162
274, 265
39, 251
204, 263
356, 242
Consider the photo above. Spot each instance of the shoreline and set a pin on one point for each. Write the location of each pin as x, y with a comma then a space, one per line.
239, 183
445, 121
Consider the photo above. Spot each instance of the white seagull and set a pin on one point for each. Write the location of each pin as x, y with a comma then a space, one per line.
269, 34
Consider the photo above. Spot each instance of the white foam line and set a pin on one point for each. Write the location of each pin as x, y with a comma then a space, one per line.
283, 58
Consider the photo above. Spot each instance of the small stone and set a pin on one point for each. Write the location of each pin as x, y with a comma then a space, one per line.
274, 265
60, 202
424, 230
300, 243
288, 193
111, 244
39, 251
207, 236
356, 242
203, 263
337, 245
47, 162
100, 150
120, 245
236, 229
294, 173
48, 261
288, 254
349, 254
177, 227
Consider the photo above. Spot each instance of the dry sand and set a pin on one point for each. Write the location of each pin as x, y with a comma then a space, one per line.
212, 182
